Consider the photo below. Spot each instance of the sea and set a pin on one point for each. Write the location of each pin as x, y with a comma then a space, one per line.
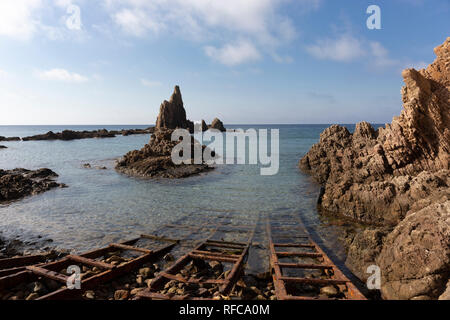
102, 206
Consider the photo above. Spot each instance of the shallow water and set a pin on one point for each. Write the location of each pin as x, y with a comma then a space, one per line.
101, 206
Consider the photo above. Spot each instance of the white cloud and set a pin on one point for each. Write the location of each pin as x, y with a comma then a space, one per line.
150, 84
259, 21
345, 48
3, 74
234, 54
54, 19
62, 75
381, 56
348, 48
17, 18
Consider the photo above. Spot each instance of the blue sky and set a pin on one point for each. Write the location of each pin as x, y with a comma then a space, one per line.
252, 61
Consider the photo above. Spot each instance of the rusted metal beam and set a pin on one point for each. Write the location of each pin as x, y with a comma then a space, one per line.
48, 274
129, 248
280, 281
90, 262
313, 281
298, 254
212, 258
303, 266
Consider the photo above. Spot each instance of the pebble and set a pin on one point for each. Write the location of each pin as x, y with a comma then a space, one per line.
32, 296
90, 295
329, 291
145, 272
168, 257
135, 291
121, 295
139, 280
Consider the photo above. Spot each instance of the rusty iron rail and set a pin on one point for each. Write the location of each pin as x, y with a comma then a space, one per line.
209, 250
281, 281
108, 272
13, 265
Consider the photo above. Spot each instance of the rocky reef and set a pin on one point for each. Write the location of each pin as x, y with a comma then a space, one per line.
76, 135
9, 138
154, 160
172, 115
18, 183
395, 179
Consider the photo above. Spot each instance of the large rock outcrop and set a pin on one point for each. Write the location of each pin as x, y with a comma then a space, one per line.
172, 114
154, 159
18, 183
384, 177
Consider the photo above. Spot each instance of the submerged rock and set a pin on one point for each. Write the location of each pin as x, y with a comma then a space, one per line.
18, 183
385, 177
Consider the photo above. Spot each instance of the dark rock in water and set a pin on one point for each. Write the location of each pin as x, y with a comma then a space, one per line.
18, 183
9, 138
68, 135
71, 135
2, 147
172, 114
155, 161
398, 177
217, 124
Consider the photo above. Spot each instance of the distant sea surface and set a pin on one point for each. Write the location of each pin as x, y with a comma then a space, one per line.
101, 206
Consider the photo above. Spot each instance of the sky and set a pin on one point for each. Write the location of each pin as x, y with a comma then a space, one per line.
244, 61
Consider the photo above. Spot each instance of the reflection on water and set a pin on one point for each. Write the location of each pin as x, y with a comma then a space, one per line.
101, 206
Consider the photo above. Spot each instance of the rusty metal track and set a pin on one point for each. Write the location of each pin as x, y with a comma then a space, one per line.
209, 250
303, 247
51, 271
10, 266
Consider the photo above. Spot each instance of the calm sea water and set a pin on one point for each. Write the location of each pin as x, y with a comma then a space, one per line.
101, 206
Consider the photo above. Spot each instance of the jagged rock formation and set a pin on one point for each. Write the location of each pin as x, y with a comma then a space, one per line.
217, 124
18, 183
155, 161
172, 114
395, 177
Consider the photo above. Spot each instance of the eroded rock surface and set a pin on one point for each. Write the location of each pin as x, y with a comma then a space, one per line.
395, 177
18, 183
217, 124
154, 159
172, 114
